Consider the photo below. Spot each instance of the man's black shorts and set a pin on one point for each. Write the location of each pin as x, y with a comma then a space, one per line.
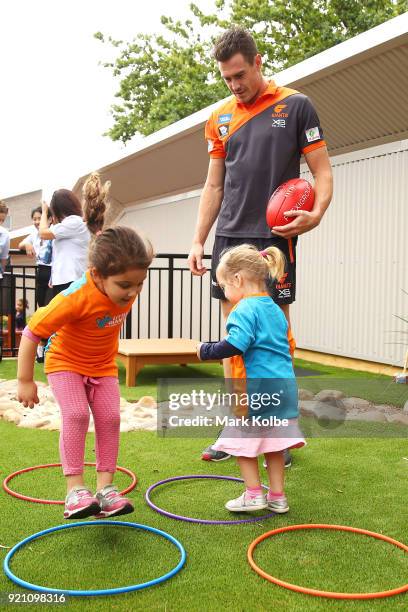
282, 290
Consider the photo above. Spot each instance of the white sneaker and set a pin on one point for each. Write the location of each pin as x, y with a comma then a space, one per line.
246, 504
280, 505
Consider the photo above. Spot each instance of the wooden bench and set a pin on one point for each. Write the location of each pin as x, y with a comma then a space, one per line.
137, 353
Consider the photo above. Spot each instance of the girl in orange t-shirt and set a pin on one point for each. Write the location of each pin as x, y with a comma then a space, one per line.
83, 324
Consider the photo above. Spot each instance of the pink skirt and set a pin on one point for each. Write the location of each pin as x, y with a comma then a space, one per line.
257, 440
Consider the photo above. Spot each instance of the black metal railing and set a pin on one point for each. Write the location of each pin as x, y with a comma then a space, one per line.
18, 282
173, 303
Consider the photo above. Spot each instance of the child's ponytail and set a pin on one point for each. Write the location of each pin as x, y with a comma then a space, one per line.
95, 196
113, 250
275, 261
257, 265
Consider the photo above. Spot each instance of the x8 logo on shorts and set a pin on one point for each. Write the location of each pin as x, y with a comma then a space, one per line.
284, 293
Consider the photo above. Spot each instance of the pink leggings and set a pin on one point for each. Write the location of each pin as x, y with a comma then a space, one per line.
75, 394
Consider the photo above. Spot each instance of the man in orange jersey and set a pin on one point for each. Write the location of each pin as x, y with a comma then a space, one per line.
255, 141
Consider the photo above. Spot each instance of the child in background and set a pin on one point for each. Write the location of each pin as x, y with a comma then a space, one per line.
258, 345
70, 235
41, 249
84, 323
4, 239
21, 307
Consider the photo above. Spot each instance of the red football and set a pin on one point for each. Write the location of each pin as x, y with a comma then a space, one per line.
295, 194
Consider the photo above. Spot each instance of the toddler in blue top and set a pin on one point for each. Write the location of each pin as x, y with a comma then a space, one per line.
258, 345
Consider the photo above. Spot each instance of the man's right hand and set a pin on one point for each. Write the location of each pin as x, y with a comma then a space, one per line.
195, 260
30, 250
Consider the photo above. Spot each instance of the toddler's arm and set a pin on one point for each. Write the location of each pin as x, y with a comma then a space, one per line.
216, 350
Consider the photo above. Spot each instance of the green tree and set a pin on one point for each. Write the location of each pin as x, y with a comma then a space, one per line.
164, 78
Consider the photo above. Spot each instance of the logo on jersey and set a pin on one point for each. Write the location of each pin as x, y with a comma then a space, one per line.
224, 118
104, 321
223, 130
312, 134
279, 123
277, 111
210, 145
108, 321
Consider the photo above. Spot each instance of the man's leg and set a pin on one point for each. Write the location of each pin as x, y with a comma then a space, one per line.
283, 293
286, 453
285, 310
226, 309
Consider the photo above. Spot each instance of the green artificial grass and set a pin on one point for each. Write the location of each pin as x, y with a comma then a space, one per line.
362, 483
354, 476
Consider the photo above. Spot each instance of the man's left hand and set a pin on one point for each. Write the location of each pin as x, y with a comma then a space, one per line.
303, 222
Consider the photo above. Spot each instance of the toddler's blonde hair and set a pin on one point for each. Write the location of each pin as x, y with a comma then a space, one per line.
256, 265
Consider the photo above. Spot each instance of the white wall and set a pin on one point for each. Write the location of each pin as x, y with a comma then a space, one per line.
169, 222
351, 269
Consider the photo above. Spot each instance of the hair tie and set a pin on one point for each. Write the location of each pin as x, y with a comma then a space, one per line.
263, 254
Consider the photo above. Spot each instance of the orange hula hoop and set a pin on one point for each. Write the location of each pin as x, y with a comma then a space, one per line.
316, 592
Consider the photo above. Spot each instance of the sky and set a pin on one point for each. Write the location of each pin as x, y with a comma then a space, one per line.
55, 97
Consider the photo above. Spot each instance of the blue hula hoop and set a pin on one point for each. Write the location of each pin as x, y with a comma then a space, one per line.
126, 589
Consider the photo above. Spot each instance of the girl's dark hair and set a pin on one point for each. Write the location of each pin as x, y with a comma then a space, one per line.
64, 203
116, 249
233, 41
38, 209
